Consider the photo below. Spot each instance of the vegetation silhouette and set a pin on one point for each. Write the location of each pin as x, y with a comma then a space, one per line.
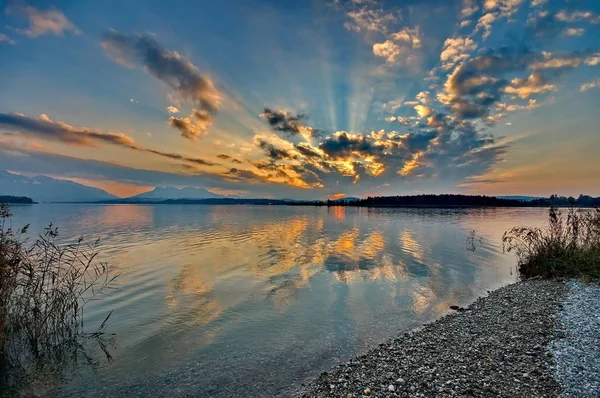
44, 288
445, 200
569, 246
16, 199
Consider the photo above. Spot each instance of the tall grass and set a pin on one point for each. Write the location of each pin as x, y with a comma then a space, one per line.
44, 289
569, 246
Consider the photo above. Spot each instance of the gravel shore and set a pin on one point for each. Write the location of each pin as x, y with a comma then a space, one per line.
576, 348
498, 346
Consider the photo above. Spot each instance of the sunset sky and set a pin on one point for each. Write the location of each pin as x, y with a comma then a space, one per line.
304, 99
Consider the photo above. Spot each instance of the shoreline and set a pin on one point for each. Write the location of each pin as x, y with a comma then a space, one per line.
500, 345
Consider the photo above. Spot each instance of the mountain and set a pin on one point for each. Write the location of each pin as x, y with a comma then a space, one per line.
46, 189
165, 193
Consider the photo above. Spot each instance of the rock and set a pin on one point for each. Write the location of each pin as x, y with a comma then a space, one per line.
367, 391
391, 387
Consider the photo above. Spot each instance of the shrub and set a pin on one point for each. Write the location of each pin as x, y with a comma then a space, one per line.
44, 288
569, 246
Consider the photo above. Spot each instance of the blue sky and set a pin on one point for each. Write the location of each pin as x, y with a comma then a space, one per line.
306, 99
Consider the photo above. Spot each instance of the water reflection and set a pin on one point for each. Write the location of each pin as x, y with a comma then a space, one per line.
255, 298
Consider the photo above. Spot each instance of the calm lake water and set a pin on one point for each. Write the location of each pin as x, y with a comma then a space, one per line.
252, 300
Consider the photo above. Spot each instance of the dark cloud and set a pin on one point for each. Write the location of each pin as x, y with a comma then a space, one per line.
341, 145
238, 175
307, 150
173, 70
227, 157
292, 124
283, 121
177, 156
273, 152
47, 129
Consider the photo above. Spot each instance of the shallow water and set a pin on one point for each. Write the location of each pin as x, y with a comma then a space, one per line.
250, 300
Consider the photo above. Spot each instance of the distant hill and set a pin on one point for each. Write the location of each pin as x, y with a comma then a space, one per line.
46, 189
521, 198
166, 193
446, 200
16, 200
346, 199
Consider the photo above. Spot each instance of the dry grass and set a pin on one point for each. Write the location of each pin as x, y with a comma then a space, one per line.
569, 246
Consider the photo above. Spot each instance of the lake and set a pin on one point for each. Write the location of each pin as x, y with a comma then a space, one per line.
253, 300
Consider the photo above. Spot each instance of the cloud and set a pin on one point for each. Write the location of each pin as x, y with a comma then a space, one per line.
549, 24
532, 104
574, 16
423, 111
287, 122
573, 32
45, 128
342, 145
392, 106
43, 22
280, 120
506, 7
188, 128
456, 50
525, 88
570, 61
485, 23
411, 37
6, 39
388, 50
590, 85
308, 151
368, 19
470, 7
171, 109
273, 152
477, 86
398, 48
176, 156
175, 71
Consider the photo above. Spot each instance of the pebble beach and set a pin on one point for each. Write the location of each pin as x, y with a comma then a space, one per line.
535, 338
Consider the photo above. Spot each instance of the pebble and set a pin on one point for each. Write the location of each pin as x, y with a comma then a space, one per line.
483, 351
576, 352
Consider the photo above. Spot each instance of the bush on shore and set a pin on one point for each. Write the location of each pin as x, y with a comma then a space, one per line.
569, 246
44, 288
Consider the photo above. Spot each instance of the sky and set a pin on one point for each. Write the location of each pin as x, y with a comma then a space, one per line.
304, 99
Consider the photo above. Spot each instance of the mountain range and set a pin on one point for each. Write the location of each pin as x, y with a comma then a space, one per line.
164, 193
47, 189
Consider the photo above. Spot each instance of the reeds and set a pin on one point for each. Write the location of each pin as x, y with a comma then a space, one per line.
44, 288
569, 246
